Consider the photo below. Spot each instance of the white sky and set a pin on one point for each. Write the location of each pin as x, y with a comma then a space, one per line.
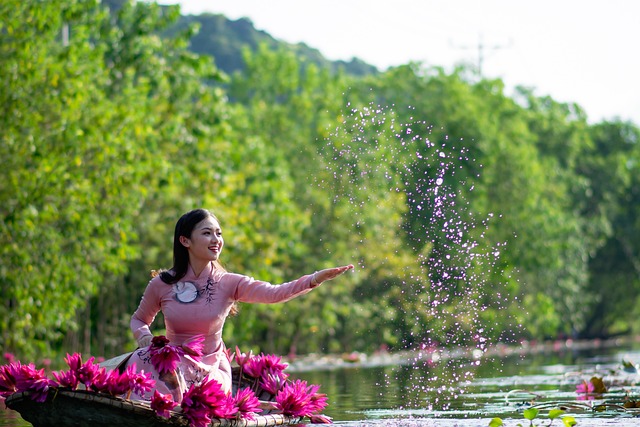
582, 51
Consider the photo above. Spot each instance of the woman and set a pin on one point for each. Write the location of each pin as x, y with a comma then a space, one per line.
195, 297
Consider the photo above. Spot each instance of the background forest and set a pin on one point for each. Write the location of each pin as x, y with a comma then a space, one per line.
472, 216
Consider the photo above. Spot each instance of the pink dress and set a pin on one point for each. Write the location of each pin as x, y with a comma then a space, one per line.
200, 305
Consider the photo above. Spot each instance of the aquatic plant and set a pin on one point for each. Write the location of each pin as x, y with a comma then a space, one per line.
8, 379
35, 381
164, 357
532, 413
247, 403
272, 380
139, 382
299, 399
202, 401
257, 365
162, 404
194, 346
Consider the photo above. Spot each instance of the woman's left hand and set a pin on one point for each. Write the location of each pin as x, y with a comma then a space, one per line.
329, 273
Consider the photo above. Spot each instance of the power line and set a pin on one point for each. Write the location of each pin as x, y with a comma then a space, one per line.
482, 50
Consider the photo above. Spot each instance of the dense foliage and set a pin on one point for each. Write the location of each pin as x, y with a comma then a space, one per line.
472, 215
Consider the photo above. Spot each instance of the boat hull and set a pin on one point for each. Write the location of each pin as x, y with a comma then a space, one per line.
79, 408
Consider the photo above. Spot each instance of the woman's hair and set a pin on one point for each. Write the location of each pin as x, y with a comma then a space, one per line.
184, 227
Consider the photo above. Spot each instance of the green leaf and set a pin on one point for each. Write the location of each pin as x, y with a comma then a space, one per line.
569, 421
531, 413
496, 422
555, 413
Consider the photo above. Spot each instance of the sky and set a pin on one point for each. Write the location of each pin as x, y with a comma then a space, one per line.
576, 51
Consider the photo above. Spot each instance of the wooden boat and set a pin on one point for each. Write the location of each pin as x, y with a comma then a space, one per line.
81, 408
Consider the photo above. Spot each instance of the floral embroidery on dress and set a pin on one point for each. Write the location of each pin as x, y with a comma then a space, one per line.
209, 290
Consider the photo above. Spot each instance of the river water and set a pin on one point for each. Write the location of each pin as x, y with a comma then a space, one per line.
422, 392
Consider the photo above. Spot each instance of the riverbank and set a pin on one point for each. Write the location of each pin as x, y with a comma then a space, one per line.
316, 362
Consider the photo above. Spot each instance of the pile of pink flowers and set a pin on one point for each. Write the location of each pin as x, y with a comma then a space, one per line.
17, 377
292, 398
200, 403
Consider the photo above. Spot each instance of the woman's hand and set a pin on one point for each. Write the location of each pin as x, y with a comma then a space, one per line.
328, 274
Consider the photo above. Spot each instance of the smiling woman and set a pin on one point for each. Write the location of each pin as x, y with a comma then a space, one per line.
195, 296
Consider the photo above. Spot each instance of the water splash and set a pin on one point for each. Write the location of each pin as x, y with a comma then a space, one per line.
377, 163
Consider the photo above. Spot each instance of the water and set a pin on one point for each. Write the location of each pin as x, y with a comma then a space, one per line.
398, 395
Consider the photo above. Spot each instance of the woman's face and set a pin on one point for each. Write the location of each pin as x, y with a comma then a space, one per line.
205, 243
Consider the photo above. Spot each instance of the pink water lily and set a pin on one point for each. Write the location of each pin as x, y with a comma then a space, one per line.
71, 377
140, 382
162, 404
164, 356
320, 419
247, 404
85, 372
8, 384
194, 346
199, 402
225, 408
118, 383
256, 365
28, 378
99, 382
585, 387
299, 399
272, 380
229, 354
274, 362
66, 379
242, 358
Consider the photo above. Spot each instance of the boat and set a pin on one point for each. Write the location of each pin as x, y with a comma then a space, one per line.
82, 408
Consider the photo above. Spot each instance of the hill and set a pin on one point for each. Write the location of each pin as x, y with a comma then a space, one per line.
224, 40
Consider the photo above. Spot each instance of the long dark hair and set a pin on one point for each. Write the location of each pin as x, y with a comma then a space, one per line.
184, 227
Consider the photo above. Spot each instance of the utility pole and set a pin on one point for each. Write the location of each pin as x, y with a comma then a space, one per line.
481, 48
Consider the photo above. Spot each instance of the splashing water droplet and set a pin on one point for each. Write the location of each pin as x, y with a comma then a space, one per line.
442, 295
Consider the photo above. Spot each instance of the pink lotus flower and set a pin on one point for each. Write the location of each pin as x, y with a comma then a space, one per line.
226, 408
162, 404
200, 400
242, 358
272, 380
194, 346
118, 383
164, 357
140, 382
274, 362
74, 361
66, 379
299, 399
318, 402
229, 354
585, 387
99, 382
8, 384
28, 378
256, 365
247, 404
71, 378
87, 372
320, 419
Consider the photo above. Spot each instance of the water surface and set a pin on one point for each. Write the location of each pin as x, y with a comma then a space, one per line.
424, 393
